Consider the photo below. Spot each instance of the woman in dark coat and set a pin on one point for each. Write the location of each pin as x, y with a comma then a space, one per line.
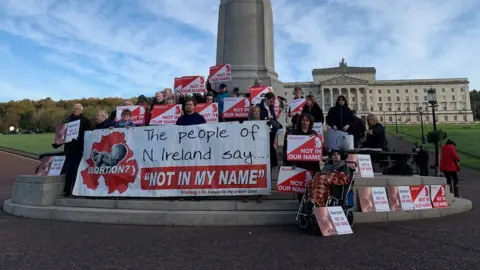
267, 112
311, 107
375, 134
340, 116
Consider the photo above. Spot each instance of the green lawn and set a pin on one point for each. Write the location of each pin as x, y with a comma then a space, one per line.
31, 143
464, 136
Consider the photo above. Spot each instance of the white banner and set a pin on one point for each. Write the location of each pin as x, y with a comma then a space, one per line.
217, 159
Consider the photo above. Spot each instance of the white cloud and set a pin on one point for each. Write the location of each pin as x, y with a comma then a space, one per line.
133, 47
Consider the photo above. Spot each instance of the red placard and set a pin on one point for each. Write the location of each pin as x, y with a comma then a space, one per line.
220, 73
304, 148
236, 107
165, 114
437, 194
292, 179
193, 85
420, 197
177, 84
257, 93
138, 114
209, 111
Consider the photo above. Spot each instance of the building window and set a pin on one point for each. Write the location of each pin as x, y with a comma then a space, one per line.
390, 119
444, 106
427, 118
461, 89
454, 118
445, 117
416, 98
381, 118
353, 99
286, 94
453, 90
418, 118
388, 98
398, 98
370, 91
453, 97
379, 91
425, 98
388, 91
371, 109
424, 90
380, 108
444, 98
406, 91
380, 99
454, 106
390, 109
398, 91
415, 90
407, 98
443, 90
462, 97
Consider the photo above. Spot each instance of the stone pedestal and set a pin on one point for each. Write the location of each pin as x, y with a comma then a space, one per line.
37, 190
245, 40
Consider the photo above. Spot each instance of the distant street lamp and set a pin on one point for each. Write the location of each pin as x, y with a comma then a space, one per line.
11, 128
432, 99
420, 111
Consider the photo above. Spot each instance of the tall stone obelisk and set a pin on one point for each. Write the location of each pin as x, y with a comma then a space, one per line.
245, 40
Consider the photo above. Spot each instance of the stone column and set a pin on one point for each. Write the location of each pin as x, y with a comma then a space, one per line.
349, 100
331, 97
323, 99
367, 96
358, 98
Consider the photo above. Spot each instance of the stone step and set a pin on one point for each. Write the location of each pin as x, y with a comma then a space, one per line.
177, 205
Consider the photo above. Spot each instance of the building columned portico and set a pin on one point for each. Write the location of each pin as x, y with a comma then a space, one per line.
390, 100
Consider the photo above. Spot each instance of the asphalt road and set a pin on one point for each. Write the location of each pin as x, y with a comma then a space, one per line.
445, 243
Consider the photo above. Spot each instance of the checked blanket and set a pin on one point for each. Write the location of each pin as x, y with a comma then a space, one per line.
321, 184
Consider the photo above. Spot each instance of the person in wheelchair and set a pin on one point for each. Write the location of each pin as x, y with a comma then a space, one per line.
334, 173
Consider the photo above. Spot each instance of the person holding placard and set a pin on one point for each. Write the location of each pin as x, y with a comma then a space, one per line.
311, 107
340, 117
267, 112
297, 91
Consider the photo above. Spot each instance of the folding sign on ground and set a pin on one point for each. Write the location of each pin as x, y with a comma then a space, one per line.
437, 196
304, 148
138, 114
296, 105
193, 85
399, 198
51, 165
236, 107
258, 93
332, 221
220, 73
373, 199
208, 111
420, 197
177, 85
165, 114
365, 166
292, 179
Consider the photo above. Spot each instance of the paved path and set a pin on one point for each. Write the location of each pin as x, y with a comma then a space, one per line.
446, 243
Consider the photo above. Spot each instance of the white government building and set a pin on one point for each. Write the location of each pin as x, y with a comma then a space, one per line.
390, 100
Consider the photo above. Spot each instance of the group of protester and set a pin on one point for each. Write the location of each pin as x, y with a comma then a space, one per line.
339, 117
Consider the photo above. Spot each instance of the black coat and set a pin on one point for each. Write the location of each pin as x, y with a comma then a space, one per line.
377, 139
105, 124
315, 111
264, 112
357, 128
75, 147
340, 116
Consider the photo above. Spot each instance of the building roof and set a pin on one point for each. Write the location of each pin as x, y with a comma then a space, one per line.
343, 69
420, 82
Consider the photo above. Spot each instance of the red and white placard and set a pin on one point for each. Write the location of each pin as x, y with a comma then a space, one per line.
209, 111
373, 199
332, 221
293, 179
277, 107
51, 165
365, 166
257, 93
193, 85
138, 114
296, 105
235, 107
304, 148
176, 161
405, 197
165, 114
220, 73
177, 84
420, 197
437, 196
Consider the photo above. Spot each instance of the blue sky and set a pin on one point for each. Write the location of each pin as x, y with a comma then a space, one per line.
95, 48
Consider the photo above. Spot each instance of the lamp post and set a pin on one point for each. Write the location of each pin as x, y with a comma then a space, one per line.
432, 99
420, 111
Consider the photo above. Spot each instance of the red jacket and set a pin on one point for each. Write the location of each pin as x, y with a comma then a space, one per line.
449, 159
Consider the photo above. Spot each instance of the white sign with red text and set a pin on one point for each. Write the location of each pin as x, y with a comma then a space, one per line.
165, 114
339, 220
220, 73
277, 107
380, 200
73, 130
209, 111
138, 114
236, 107
293, 179
365, 166
177, 85
437, 196
420, 197
257, 93
318, 127
304, 148
51, 165
193, 85
296, 106
176, 161
405, 198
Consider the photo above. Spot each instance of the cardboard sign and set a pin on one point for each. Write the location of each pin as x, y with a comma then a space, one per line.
51, 166
236, 107
165, 114
420, 197
208, 111
258, 93
292, 179
394, 198
304, 148
193, 85
138, 114
318, 127
67, 132
332, 221
437, 196
177, 85
365, 166
337, 140
373, 199
277, 107
296, 105
220, 73
405, 197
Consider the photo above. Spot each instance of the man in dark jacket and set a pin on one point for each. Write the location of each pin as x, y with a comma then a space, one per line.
190, 117
102, 120
422, 161
267, 112
74, 149
340, 116
357, 129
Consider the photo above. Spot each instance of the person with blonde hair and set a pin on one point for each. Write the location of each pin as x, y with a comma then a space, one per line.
311, 107
376, 134
254, 113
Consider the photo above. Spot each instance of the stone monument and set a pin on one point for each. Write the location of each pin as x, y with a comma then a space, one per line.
245, 40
